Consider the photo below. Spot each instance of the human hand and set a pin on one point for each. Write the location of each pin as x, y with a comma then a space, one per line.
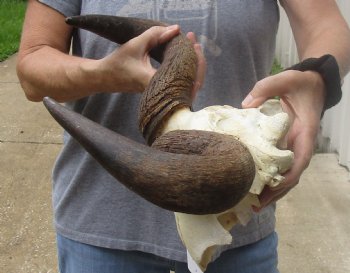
302, 97
129, 68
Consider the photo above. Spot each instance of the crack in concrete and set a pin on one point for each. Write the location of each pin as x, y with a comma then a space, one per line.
30, 142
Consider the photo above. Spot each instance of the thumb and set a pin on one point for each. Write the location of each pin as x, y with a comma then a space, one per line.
154, 36
272, 86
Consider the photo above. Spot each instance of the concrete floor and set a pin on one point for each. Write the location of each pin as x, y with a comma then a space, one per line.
313, 220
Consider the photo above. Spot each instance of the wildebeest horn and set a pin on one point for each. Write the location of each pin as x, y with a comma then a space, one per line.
117, 29
193, 172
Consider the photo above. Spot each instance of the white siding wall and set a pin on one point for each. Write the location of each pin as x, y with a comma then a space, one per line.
335, 131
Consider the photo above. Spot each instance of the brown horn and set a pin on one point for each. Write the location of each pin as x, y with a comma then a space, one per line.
184, 182
117, 29
212, 173
169, 89
171, 86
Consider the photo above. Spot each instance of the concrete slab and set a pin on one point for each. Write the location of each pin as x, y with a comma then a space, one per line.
29, 143
8, 69
24, 121
312, 221
27, 240
21, 120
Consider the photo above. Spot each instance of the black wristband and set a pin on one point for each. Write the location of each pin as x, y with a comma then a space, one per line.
328, 68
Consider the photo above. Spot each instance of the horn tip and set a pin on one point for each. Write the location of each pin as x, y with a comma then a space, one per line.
50, 104
70, 20
48, 101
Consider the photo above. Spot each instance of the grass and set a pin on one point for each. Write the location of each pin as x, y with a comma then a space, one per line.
276, 68
11, 20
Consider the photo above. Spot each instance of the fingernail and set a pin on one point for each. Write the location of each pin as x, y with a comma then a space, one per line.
247, 100
255, 209
172, 27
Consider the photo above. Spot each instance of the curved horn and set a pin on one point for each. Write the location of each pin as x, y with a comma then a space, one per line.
171, 86
212, 181
169, 89
177, 182
117, 29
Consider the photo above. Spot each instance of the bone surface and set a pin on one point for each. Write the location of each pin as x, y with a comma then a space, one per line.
261, 130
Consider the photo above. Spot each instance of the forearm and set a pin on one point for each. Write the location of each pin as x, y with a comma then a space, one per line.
329, 41
319, 30
45, 68
49, 72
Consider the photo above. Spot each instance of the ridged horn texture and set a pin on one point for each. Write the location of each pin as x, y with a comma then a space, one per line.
171, 86
195, 172
179, 181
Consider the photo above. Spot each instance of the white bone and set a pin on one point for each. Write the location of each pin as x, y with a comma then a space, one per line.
261, 130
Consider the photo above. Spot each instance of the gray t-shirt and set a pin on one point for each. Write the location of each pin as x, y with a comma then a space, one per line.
238, 37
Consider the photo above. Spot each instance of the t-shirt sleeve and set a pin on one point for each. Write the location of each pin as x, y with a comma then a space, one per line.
67, 8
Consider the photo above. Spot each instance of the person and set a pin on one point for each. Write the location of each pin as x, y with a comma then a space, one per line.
103, 227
